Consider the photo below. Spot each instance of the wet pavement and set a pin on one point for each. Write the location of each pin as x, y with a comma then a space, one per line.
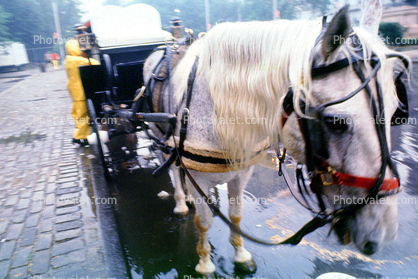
9, 79
52, 217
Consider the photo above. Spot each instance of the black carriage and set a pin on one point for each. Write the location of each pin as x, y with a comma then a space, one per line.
111, 87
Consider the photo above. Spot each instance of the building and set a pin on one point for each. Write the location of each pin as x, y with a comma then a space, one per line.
393, 11
406, 15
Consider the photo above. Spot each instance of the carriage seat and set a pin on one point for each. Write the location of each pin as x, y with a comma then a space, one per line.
128, 78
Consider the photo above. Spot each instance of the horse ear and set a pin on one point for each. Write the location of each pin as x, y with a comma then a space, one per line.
336, 33
371, 14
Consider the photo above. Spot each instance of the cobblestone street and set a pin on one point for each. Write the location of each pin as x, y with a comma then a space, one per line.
49, 215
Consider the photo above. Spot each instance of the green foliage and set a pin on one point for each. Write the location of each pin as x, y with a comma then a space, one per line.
391, 32
4, 30
25, 17
412, 2
31, 18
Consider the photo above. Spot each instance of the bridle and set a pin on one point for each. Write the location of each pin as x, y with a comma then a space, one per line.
313, 128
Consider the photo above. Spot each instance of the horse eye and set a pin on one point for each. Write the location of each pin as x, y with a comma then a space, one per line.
337, 123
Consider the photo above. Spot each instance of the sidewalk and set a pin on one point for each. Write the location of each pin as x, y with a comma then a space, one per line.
49, 216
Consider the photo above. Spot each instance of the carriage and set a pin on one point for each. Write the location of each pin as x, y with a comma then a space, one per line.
296, 90
113, 38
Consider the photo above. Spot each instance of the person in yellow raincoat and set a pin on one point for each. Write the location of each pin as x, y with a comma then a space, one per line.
79, 111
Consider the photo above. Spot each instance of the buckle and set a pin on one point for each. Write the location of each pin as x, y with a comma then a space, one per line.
327, 177
185, 116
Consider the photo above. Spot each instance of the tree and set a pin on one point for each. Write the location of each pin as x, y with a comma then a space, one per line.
412, 2
392, 32
4, 30
69, 15
33, 19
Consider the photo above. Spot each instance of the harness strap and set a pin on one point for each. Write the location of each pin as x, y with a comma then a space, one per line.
185, 115
333, 67
169, 54
149, 89
389, 184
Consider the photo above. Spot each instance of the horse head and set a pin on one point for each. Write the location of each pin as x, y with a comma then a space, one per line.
344, 137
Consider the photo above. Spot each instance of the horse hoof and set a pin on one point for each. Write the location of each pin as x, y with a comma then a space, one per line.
247, 267
205, 268
181, 209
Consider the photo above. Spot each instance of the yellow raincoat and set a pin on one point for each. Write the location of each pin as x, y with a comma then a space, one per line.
74, 85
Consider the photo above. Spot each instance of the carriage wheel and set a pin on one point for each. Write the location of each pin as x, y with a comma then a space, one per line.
95, 128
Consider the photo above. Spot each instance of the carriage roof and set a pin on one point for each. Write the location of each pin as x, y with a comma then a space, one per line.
117, 27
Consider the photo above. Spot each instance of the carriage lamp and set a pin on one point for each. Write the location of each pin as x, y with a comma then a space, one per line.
86, 41
176, 28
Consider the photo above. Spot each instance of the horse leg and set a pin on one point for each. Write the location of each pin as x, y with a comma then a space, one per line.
242, 258
203, 220
179, 196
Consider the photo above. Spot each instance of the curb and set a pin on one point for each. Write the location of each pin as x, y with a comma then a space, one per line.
117, 263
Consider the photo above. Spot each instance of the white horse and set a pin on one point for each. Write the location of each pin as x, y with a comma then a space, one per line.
244, 71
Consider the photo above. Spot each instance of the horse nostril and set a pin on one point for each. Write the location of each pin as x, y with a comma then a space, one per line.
370, 248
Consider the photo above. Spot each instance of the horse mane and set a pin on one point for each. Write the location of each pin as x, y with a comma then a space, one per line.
249, 67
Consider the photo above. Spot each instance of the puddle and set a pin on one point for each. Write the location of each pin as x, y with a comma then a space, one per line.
20, 77
14, 80
25, 137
